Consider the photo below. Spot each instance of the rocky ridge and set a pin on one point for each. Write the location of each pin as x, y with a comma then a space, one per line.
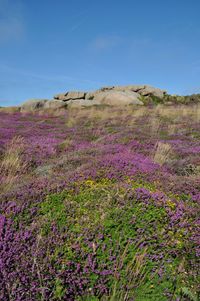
137, 95
111, 96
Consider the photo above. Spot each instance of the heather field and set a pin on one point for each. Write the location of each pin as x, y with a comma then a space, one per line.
100, 204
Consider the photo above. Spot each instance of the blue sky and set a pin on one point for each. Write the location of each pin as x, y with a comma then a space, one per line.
50, 46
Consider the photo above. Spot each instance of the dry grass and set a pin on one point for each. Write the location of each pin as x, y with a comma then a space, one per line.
51, 112
136, 273
65, 144
9, 109
197, 113
162, 153
154, 125
12, 164
179, 112
172, 129
101, 114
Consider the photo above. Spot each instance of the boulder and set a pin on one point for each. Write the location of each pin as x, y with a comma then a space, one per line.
118, 98
60, 96
144, 90
55, 104
33, 104
90, 95
77, 103
151, 91
133, 88
108, 88
76, 95
70, 95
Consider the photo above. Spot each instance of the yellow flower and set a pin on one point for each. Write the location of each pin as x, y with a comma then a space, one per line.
89, 182
171, 204
179, 243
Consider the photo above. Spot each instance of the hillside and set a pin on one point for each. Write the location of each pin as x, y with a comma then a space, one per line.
101, 203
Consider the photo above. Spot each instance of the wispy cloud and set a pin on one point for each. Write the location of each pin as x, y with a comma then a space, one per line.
82, 16
77, 25
11, 21
44, 77
103, 43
